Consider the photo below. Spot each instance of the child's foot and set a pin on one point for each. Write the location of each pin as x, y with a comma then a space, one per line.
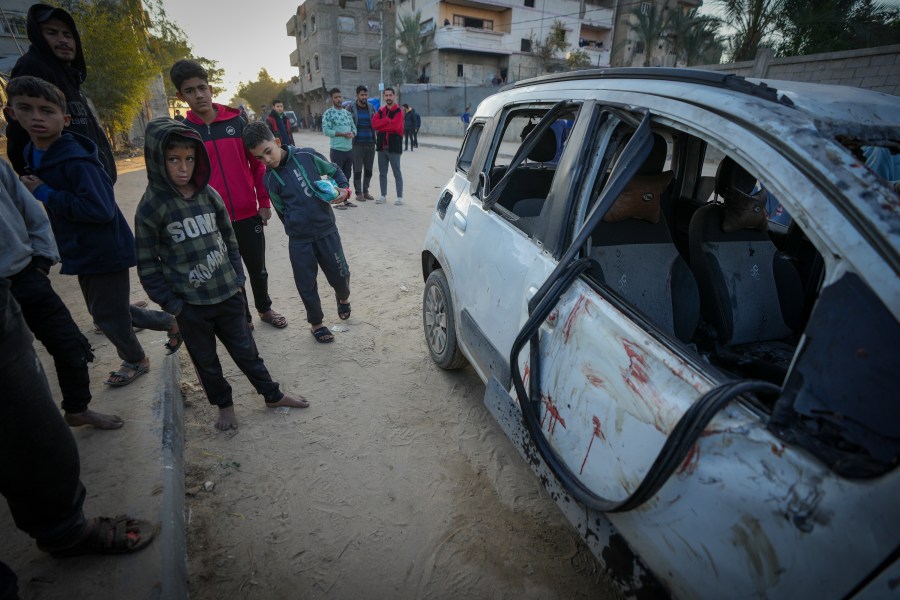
98, 420
227, 419
291, 401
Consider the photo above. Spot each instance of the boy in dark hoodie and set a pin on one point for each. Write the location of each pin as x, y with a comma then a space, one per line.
189, 264
55, 55
94, 239
309, 221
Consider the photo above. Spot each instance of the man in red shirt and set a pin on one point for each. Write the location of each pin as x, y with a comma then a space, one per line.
388, 125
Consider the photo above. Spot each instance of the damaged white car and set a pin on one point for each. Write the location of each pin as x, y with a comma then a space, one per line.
682, 289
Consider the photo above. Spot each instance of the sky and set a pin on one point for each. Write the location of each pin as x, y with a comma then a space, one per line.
242, 37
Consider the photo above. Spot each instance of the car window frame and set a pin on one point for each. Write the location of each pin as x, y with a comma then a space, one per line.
471, 141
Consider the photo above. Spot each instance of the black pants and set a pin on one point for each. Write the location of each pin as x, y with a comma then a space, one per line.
251, 239
363, 163
52, 324
39, 464
409, 139
107, 297
306, 258
344, 160
200, 325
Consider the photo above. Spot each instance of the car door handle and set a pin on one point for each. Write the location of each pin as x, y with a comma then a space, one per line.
459, 222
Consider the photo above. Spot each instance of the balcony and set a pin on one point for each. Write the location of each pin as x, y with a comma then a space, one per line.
599, 18
469, 39
292, 26
295, 58
599, 56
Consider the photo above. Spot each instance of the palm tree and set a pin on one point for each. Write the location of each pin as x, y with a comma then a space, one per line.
413, 44
683, 27
649, 27
700, 41
752, 21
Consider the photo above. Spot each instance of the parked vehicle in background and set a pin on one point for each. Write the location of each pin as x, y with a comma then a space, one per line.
683, 294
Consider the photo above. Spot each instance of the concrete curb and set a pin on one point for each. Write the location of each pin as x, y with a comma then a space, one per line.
169, 407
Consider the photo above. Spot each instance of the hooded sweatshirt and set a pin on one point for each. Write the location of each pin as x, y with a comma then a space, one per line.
92, 234
236, 174
186, 249
40, 62
281, 127
306, 217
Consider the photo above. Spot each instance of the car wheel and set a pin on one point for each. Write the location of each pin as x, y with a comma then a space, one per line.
439, 324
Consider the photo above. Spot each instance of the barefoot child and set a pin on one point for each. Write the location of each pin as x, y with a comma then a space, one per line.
308, 220
94, 239
189, 264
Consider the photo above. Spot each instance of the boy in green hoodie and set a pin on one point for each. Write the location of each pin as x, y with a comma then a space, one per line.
188, 263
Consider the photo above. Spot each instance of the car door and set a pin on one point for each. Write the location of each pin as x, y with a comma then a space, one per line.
490, 295
609, 388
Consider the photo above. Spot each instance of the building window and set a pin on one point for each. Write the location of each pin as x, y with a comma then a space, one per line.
305, 32
472, 22
316, 61
459, 70
348, 62
374, 62
346, 24
526, 45
312, 24
308, 72
529, 3
426, 27
373, 24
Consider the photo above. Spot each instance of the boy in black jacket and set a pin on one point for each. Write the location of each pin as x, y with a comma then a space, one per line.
292, 176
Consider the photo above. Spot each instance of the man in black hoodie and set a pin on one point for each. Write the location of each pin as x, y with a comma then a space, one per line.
56, 56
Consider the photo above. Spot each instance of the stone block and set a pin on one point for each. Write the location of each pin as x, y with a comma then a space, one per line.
882, 59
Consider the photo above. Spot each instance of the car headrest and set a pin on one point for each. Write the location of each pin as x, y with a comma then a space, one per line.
731, 176
656, 161
545, 149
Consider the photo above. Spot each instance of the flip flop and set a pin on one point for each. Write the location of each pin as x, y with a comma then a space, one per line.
178, 341
343, 310
138, 370
104, 535
274, 319
323, 335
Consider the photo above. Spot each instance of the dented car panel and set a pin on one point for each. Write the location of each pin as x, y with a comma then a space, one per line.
770, 500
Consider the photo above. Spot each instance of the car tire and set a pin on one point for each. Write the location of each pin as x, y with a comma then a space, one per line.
439, 323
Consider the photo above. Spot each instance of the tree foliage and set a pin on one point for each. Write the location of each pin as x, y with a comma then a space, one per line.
578, 59
545, 50
751, 22
120, 70
807, 27
687, 36
413, 46
262, 91
649, 26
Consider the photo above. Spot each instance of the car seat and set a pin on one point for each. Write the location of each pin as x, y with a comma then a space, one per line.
636, 257
751, 295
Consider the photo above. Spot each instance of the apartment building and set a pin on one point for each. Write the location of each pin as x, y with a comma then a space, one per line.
13, 38
628, 48
339, 44
484, 42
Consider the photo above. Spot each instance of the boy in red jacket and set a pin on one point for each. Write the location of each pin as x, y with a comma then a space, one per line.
388, 125
236, 175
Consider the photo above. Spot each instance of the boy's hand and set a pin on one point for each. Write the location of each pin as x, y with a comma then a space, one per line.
265, 214
32, 182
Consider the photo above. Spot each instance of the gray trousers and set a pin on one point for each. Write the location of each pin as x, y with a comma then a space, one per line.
108, 300
394, 159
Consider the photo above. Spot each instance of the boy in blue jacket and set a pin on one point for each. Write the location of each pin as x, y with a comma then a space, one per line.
294, 182
95, 242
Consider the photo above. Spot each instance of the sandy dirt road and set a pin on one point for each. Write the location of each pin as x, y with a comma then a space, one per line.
396, 482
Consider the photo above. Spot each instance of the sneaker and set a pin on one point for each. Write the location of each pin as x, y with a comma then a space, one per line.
381, 200
398, 202
368, 196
